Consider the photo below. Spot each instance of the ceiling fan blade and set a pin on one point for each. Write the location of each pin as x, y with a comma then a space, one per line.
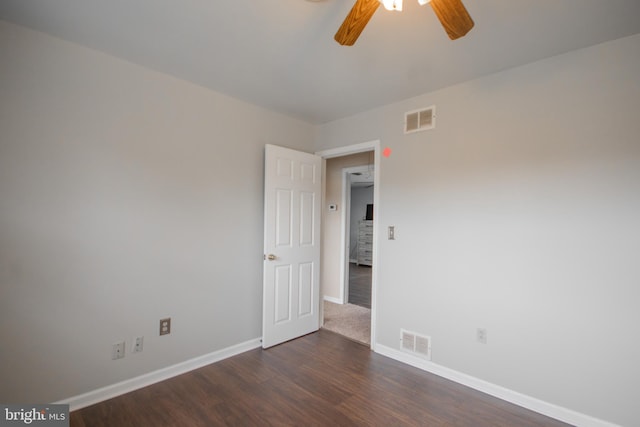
453, 16
355, 21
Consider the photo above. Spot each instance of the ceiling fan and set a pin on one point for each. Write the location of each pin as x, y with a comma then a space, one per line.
452, 15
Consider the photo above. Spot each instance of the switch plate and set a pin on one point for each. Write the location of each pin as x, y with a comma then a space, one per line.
165, 326
481, 335
392, 232
137, 344
117, 350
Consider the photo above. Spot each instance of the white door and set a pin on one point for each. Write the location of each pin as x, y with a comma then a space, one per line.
291, 289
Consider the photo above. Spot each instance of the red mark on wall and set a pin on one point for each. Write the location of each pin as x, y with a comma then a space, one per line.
386, 152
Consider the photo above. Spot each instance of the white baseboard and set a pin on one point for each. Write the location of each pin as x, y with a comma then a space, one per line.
333, 300
528, 402
113, 390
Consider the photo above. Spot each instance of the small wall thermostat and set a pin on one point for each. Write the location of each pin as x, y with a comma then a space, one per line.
333, 207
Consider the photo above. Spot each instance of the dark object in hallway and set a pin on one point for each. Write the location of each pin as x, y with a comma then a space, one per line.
360, 285
322, 379
369, 215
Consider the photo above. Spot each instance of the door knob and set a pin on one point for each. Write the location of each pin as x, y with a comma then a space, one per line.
271, 257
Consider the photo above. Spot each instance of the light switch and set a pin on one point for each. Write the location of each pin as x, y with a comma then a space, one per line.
392, 232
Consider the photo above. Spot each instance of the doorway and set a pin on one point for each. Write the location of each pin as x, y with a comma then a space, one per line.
351, 316
341, 266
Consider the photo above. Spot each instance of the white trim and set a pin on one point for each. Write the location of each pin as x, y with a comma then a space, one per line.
323, 219
359, 148
333, 300
344, 226
376, 244
349, 149
528, 402
126, 386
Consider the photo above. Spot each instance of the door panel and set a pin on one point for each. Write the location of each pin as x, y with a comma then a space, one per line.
305, 290
282, 294
284, 203
307, 209
291, 291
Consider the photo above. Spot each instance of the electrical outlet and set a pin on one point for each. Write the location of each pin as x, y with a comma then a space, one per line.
481, 335
117, 350
137, 344
165, 326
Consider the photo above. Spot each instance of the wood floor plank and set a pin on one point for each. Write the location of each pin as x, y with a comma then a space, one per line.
360, 285
322, 379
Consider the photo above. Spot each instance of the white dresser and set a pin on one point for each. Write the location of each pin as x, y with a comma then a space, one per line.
365, 243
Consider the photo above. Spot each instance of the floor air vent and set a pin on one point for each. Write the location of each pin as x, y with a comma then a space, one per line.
419, 345
418, 120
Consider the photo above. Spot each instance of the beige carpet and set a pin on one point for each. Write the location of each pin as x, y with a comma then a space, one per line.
349, 320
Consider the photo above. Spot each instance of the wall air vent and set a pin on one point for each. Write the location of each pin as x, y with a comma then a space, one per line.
417, 120
419, 345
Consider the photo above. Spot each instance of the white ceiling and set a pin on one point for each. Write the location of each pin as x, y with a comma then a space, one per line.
280, 54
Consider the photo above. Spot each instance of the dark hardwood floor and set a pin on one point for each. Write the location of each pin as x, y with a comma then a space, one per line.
360, 285
322, 379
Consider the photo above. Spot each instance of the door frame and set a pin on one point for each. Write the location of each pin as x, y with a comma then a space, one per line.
345, 151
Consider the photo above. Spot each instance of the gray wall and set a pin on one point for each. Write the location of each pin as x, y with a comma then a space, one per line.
126, 196
520, 214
